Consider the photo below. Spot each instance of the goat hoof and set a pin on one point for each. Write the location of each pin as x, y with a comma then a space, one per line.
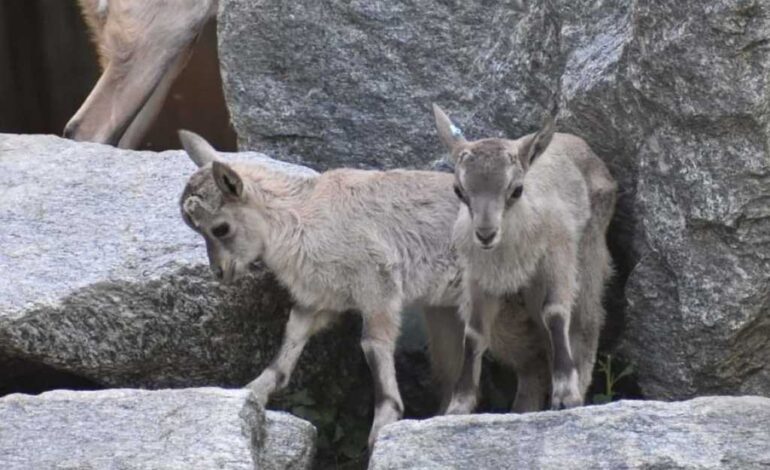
260, 390
461, 406
565, 392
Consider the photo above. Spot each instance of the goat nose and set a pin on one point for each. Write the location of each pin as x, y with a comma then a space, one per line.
70, 129
486, 235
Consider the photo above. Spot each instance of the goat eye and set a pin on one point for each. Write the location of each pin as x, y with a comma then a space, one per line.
220, 230
460, 194
517, 192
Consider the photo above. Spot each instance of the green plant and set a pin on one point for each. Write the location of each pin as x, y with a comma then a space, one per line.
604, 366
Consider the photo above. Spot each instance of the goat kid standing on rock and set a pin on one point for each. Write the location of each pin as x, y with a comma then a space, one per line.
531, 231
371, 241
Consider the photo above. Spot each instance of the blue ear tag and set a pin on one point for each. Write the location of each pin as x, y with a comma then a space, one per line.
456, 132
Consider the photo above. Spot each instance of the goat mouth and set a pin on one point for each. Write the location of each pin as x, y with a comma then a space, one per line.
488, 245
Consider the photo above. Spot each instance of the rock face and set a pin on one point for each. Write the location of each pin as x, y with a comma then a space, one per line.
102, 279
699, 299
289, 442
335, 83
672, 95
173, 429
712, 432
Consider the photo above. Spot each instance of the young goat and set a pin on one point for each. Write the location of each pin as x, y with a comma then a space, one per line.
531, 233
372, 241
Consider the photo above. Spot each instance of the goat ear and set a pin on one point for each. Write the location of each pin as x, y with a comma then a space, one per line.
451, 136
534, 145
200, 151
228, 180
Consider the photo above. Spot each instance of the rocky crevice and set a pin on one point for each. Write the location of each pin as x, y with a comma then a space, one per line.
31, 377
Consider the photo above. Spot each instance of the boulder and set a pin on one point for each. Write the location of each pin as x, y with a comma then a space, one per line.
699, 299
711, 432
672, 95
204, 428
338, 83
653, 88
289, 442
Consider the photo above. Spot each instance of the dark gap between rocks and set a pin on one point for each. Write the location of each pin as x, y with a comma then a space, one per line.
21, 376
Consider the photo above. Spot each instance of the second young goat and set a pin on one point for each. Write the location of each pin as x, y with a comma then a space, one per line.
531, 233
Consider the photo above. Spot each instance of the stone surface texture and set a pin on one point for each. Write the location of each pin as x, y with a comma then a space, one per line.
334, 83
672, 95
289, 443
704, 433
203, 428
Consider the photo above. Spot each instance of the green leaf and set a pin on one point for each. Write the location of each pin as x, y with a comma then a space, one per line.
626, 372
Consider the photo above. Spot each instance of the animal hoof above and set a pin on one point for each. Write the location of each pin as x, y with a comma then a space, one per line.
565, 392
460, 406
259, 392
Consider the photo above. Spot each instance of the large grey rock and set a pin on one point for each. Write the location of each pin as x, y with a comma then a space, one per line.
101, 278
289, 442
672, 95
332, 83
204, 428
705, 433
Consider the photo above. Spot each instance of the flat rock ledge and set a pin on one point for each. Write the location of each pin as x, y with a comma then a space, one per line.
203, 428
704, 433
